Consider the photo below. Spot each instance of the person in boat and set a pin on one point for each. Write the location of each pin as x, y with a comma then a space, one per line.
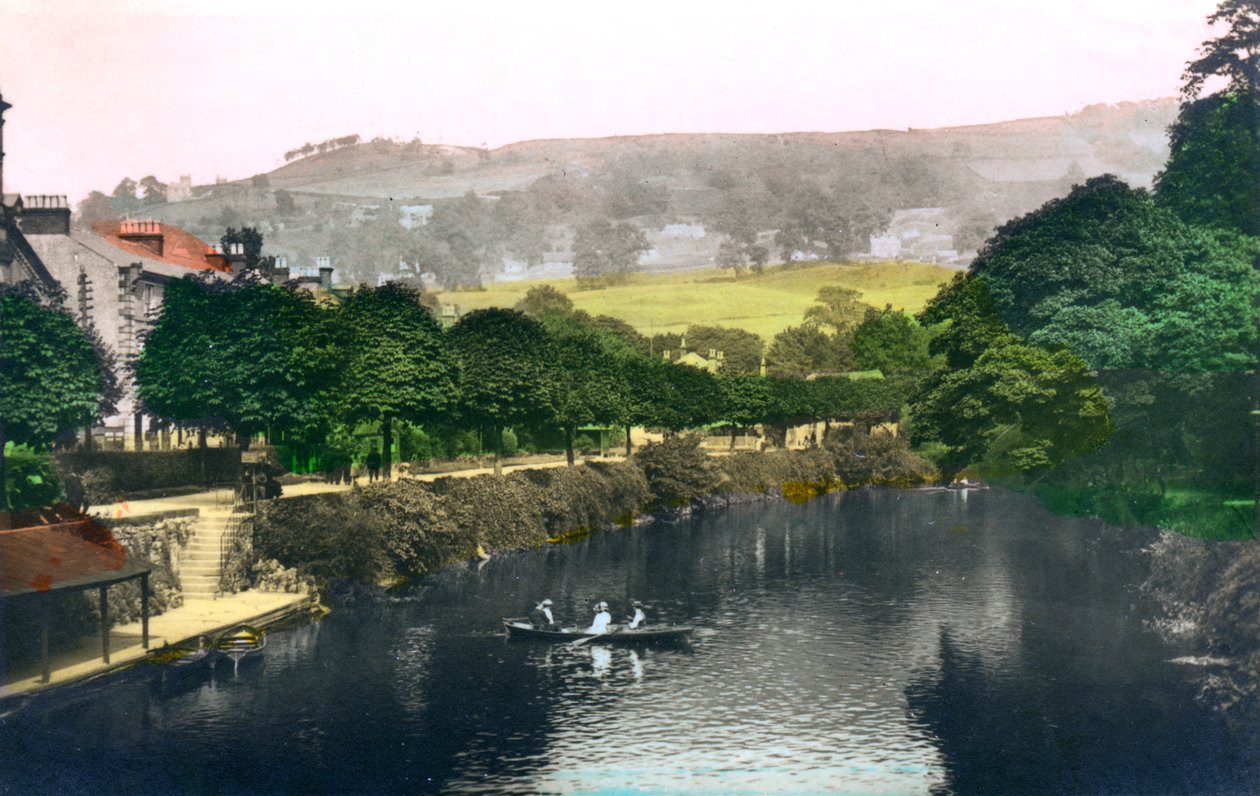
541, 617
637, 619
602, 619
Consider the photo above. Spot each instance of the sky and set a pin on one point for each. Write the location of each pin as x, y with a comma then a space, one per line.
129, 88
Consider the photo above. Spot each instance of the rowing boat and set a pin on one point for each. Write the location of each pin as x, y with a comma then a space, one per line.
617, 634
239, 641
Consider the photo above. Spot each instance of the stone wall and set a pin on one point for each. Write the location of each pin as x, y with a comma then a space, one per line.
159, 541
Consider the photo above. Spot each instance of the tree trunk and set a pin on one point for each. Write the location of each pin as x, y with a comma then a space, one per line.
387, 446
498, 450
627, 441
568, 444
139, 431
87, 438
733, 430
201, 438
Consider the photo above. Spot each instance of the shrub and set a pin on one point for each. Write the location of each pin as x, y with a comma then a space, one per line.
417, 534
677, 470
588, 497
328, 536
30, 480
752, 473
496, 512
877, 457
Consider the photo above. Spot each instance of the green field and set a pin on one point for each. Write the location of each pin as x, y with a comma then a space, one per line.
764, 304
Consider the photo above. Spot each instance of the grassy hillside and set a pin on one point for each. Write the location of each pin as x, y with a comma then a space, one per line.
764, 304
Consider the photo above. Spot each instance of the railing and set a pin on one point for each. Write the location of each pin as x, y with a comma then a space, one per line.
229, 542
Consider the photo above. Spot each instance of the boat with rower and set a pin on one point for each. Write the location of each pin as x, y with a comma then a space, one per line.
522, 628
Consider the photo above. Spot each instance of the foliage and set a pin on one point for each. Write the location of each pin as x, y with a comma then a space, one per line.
272, 371
1234, 55
755, 473
876, 457
506, 368
891, 342
1213, 173
332, 537
741, 350
803, 350
1027, 408
602, 249
496, 512
395, 363
676, 469
544, 300
250, 241
837, 308
30, 481
592, 497
416, 533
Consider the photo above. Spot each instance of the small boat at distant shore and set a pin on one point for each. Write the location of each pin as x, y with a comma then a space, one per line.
183, 656
520, 627
239, 641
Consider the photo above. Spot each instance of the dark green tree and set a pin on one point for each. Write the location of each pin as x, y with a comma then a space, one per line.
250, 239
544, 300
745, 401
507, 371
50, 381
395, 362
583, 376
891, 341
799, 351
741, 350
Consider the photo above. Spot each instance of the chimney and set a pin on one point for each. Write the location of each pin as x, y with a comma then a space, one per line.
235, 256
146, 233
44, 215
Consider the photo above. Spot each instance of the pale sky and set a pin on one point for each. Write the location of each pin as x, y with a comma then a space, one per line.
169, 87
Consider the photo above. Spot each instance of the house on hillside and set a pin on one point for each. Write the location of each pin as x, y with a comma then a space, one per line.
924, 234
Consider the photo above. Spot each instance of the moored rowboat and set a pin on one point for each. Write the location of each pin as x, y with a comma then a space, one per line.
239, 641
617, 634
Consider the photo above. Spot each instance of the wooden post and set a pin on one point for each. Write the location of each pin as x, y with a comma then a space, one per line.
144, 610
105, 623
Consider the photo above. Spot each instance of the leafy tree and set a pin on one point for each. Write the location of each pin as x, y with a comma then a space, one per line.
970, 321
584, 383
799, 351
507, 371
1025, 407
154, 192
837, 308
617, 329
732, 254
271, 373
745, 401
395, 362
50, 381
544, 300
1213, 172
97, 207
604, 250
125, 191
251, 241
677, 470
891, 341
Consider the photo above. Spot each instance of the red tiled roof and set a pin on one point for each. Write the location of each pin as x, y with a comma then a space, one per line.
178, 246
42, 557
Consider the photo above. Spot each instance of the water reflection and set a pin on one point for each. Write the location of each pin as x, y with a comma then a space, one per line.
865, 642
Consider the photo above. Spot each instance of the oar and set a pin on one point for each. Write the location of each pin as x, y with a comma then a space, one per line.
587, 639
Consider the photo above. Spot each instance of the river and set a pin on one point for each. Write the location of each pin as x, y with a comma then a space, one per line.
864, 642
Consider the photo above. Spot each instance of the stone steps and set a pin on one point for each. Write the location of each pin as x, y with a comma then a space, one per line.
199, 569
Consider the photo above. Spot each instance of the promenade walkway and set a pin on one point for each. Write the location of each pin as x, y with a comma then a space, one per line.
195, 617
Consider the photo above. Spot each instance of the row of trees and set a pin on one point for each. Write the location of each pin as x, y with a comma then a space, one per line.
257, 358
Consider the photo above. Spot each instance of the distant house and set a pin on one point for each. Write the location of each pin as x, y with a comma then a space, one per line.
683, 231
415, 215
924, 234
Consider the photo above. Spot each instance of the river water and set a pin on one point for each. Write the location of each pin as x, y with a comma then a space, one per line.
865, 642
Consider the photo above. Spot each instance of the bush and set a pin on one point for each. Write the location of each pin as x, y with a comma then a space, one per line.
753, 473
417, 533
327, 536
676, 469
497, 512
588, 497
878, 457
136, 471
30, 480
